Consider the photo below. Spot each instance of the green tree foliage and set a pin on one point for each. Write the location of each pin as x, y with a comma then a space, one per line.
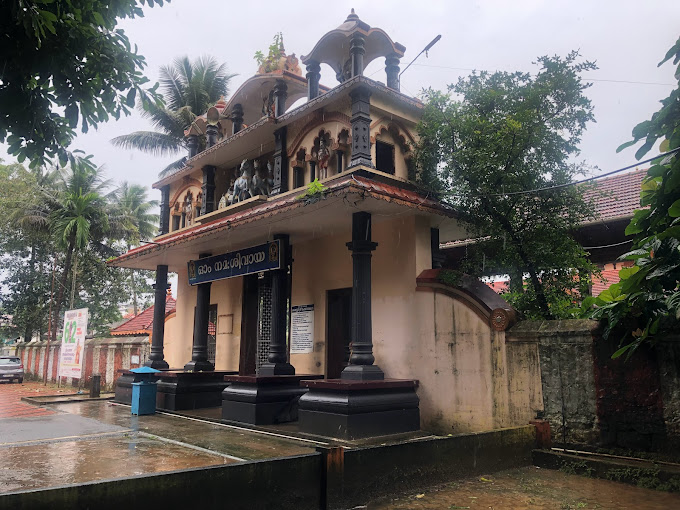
131, 210
485, 142
64, 62
68, 220
189, 89
645, 304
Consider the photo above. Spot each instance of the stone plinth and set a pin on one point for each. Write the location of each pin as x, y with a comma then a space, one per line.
351, 409
178, 390
124, 382
263, 400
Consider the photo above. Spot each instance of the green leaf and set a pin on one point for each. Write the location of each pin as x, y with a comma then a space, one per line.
674, 210
130, 99
627, 272
98, 18
621, 351
625, 145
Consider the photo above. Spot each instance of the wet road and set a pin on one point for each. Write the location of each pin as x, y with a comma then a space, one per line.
62, 444
532, 488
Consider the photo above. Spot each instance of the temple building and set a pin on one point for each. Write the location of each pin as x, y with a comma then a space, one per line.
300, 236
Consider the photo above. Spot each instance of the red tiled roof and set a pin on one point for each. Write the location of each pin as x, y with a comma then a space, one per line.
616, 196
367, 185
142, 323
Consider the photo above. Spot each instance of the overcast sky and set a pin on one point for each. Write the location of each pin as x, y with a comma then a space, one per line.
625, 38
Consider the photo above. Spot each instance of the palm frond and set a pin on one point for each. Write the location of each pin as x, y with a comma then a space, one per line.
176, 165
158, 144
170, 121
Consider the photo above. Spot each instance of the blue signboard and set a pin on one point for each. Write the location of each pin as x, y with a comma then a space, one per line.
255, 259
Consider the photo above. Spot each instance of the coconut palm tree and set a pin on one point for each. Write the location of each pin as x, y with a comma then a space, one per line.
77, 217
133, 221
189, 89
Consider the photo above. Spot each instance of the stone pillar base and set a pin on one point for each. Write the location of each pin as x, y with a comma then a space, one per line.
179, 391
270, 369
262, 400
347, 409
159, 364
199, 366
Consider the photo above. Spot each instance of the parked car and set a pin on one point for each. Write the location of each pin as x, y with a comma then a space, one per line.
11, 368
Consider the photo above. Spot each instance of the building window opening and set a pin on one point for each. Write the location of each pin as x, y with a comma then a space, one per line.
212, 333
298, 177
384, 157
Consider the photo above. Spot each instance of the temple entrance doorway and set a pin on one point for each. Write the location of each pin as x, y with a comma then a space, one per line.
249, 320
338, 333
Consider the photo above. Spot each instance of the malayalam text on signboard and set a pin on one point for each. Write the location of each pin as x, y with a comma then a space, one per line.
73, 343
302, 330
255, 259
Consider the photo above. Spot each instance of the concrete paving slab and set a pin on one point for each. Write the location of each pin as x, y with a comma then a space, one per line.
53, 426
216, 437
59, 463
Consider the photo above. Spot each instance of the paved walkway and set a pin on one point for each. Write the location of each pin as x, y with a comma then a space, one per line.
11, 405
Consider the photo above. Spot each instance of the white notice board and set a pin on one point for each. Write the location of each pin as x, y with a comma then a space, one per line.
302, 329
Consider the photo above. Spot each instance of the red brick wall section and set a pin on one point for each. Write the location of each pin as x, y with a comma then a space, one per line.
117, 365
102, 362
36, 361
87, 367
55, 363
27, 365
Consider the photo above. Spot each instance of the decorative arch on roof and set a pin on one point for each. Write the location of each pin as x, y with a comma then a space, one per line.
399, 133
334, 47
319, 120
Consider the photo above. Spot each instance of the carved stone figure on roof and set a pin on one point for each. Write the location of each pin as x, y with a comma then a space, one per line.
263, 182
243, 184
323, 156
223, 202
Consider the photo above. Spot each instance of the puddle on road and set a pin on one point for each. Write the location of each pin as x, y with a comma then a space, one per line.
533, 488
53, 464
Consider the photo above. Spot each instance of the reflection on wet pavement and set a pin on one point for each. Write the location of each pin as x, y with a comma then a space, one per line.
533, 488
248, 445
52, 464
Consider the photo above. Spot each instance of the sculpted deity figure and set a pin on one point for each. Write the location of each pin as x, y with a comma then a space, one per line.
323, 157
223, 202
243, 184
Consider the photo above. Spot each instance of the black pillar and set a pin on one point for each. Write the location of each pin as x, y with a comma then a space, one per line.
156, 358
438, 257
208, 190
338, 155
280, 162
237, 118
192, 144
312, 171
211, 134
392, 70
361, 365
277, 363
280, 96
199, 352
165, 210
357, 51
361, 124
313, 77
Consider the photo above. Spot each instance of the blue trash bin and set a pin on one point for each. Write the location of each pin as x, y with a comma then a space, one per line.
144, 391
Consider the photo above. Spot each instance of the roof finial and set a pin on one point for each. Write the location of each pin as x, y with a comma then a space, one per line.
352, 16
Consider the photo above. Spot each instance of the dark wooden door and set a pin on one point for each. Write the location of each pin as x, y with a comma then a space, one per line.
339, 308
247, 363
